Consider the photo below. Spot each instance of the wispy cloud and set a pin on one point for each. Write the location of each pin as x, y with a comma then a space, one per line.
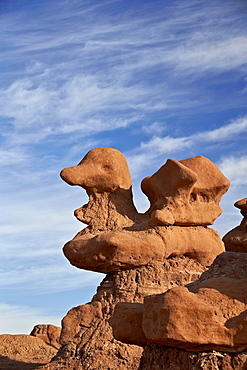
104, 81
153, 150
17, 319
235, 168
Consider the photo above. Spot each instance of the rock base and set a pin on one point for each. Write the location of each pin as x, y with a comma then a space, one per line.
166, 358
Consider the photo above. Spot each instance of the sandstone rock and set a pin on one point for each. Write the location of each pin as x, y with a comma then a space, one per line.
49, 333
236, 239
142, 254
118, 237
165, 358
208, 314
87, 337
127, 323
185, 192
24, 352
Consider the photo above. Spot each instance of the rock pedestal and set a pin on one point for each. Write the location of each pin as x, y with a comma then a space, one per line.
143, 254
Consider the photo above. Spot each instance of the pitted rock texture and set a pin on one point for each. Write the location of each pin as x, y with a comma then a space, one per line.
166, 358
86, 335
236, 239
184, 197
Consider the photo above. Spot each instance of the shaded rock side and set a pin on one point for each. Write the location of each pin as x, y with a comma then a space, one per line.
236, 239
86, 335
166, 358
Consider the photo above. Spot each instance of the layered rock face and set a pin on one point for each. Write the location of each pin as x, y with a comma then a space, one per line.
145, 254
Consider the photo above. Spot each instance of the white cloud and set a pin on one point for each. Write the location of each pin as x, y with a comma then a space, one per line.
229, 131
235, 169
149, 153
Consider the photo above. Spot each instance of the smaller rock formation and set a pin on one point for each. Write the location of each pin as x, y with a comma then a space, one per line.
236, 239
185, 192
48, 333
208, 314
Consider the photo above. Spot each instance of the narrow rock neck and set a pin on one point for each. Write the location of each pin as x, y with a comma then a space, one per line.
108, 210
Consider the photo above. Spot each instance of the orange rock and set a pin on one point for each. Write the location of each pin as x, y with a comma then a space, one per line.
19, 352
130, 316
48, 333
209, 314
185, 192
236, 239
118, 237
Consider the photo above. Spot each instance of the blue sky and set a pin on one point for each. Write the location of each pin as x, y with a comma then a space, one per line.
154, 79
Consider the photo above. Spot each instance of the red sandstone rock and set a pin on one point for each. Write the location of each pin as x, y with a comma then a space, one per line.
209, 314
165, 358
142, 254
236, 239
87, 337
118, 237
49, 333
185, 192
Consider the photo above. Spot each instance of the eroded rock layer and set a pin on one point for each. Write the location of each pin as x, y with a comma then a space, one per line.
87, 337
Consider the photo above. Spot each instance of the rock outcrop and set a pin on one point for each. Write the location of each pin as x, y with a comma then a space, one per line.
183, 193
208, 314
236, 239
145, 254
49, 333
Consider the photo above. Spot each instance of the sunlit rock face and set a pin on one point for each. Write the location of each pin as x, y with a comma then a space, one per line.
142, 254
185, 193
209, 314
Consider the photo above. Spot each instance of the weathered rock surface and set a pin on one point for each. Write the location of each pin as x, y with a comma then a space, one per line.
166, 358
236, 239
86, 333
24, 352
208, 314
142, 254
49, 333
183, 193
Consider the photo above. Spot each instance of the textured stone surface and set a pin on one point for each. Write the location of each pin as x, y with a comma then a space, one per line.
24, 352
182, 316
49, 333
86, 333
118, 237
165, 358
236, 239
185, 192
